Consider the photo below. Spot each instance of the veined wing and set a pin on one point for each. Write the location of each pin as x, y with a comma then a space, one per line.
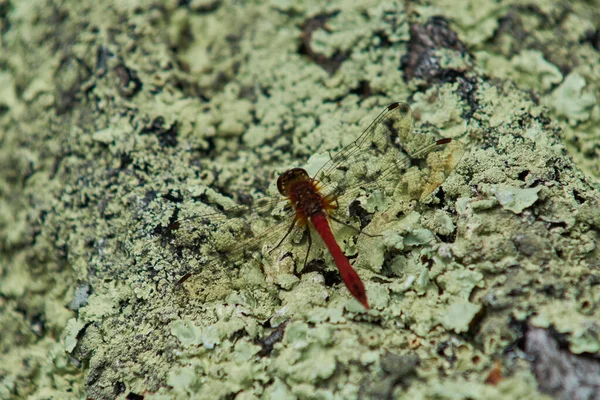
234, 232
389, 153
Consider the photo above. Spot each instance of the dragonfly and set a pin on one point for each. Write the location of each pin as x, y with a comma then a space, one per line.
387, 156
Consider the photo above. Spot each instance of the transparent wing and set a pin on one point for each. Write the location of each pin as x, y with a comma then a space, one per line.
232, 233
388, 153
260, 208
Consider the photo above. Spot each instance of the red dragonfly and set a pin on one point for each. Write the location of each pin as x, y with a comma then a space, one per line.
387, 154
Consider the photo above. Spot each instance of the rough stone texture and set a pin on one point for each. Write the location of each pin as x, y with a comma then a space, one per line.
118, 118
566, 375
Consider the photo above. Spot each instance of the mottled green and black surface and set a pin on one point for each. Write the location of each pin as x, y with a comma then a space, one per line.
117, 118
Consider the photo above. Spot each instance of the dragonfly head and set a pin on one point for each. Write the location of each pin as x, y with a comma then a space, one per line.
289, 177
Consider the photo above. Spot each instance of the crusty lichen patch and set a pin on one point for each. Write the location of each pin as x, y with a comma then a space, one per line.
555, 55
119, 118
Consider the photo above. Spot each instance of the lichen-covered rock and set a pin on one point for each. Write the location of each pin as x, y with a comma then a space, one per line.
119, 118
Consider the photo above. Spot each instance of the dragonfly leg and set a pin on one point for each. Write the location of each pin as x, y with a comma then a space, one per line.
307, 250
183, 279
290, 229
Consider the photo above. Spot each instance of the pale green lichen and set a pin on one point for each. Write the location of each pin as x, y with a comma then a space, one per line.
447, 115
513, 388
572, 100
460, 282
247, 105
529, 69
475, 21
184, 380
458, 316
566, 317
72, 330
187, 332
515, 199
